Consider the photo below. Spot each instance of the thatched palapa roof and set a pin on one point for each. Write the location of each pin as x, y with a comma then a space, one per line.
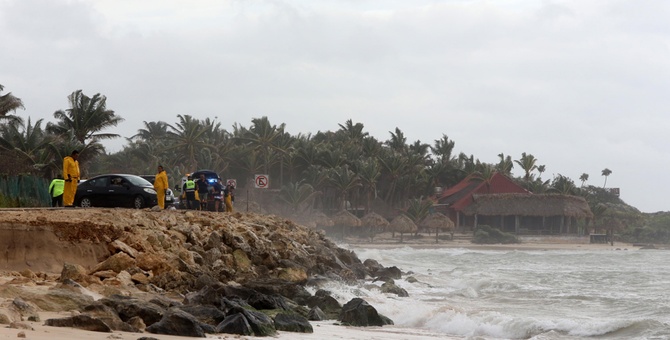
346, 219
374, 220
437, 221
403, 224
321, 219
529, 205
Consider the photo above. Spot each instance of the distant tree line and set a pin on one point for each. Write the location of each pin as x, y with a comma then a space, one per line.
346, 165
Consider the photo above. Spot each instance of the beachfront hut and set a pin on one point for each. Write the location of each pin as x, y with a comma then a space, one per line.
453, 201
438, 221
529, 213
374, 224
345, 220
321, 219
403, 224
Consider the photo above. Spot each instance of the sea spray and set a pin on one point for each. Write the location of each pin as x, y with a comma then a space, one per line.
550, 294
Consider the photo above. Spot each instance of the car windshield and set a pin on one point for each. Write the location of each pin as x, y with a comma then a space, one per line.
139, 181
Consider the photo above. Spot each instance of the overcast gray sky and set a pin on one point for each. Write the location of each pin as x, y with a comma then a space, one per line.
582, 85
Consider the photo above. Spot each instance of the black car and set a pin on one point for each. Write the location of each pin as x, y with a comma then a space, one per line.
115, 190
169, 195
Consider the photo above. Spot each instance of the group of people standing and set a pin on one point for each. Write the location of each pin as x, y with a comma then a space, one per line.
201, 190
63, 189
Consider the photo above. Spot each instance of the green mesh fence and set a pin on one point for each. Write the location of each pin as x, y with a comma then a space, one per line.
24, 191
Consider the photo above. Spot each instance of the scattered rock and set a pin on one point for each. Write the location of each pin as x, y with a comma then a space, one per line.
177, 322
357, 312
292, 323
235, 324
392, 288
316, 314
84, 322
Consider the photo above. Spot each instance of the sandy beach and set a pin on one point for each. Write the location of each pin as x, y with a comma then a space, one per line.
322, 330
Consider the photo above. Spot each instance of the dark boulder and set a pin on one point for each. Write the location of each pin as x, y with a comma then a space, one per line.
260, 323
292, 323
205, 314
109, 316
128, 307
263, 301
316, 314
177, 322
235, 324
372, 265
81, 321
284, 288
390, 272
358, 312
326, 303
391, 288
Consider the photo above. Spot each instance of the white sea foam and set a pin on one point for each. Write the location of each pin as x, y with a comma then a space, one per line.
483, 294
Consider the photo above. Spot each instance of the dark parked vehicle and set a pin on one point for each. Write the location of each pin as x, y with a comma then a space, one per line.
169, 195
115, 190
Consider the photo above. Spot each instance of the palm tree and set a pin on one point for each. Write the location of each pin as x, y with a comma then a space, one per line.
262, 137
294, 194
527, 163
344, 180
505, 165
354, 132
606, 172
9, 103
398, 141
368, 171
418, 209
395, 166
27, 141
563, 185
152, 131
584, 177
188, 138
443, 149
86, 117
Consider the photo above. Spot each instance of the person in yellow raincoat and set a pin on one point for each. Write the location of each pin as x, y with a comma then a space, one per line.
161, 186
228, 198
71, 178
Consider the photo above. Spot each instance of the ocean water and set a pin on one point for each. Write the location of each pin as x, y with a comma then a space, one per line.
552, 294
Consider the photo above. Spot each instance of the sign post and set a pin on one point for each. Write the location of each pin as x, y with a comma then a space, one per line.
231, 182
261, 182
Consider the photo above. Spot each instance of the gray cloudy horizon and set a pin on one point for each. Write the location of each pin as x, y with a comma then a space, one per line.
581, 85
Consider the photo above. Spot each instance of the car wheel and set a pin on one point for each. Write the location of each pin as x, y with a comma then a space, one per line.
85, 202
138, 202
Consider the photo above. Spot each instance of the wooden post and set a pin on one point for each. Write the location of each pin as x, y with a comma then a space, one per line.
458, 219
560, 231
516, 224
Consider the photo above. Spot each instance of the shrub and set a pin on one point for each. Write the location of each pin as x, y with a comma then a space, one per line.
486, 235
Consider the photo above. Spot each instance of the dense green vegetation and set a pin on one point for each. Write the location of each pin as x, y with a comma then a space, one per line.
328, 168
486, 235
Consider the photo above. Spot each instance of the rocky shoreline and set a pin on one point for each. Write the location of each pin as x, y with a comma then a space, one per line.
178, 272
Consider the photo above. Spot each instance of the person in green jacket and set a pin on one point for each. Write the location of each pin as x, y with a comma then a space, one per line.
56, 191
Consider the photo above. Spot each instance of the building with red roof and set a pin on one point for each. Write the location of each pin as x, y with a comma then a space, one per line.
453, 201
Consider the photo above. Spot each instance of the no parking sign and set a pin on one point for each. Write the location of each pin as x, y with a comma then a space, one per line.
231, 182
262, 181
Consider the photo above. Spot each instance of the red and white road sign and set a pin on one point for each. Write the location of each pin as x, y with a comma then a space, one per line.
231, 182
262, 181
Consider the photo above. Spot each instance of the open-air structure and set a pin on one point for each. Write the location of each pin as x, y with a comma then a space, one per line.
530, 213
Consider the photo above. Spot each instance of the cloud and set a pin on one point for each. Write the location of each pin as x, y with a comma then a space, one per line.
580, 85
